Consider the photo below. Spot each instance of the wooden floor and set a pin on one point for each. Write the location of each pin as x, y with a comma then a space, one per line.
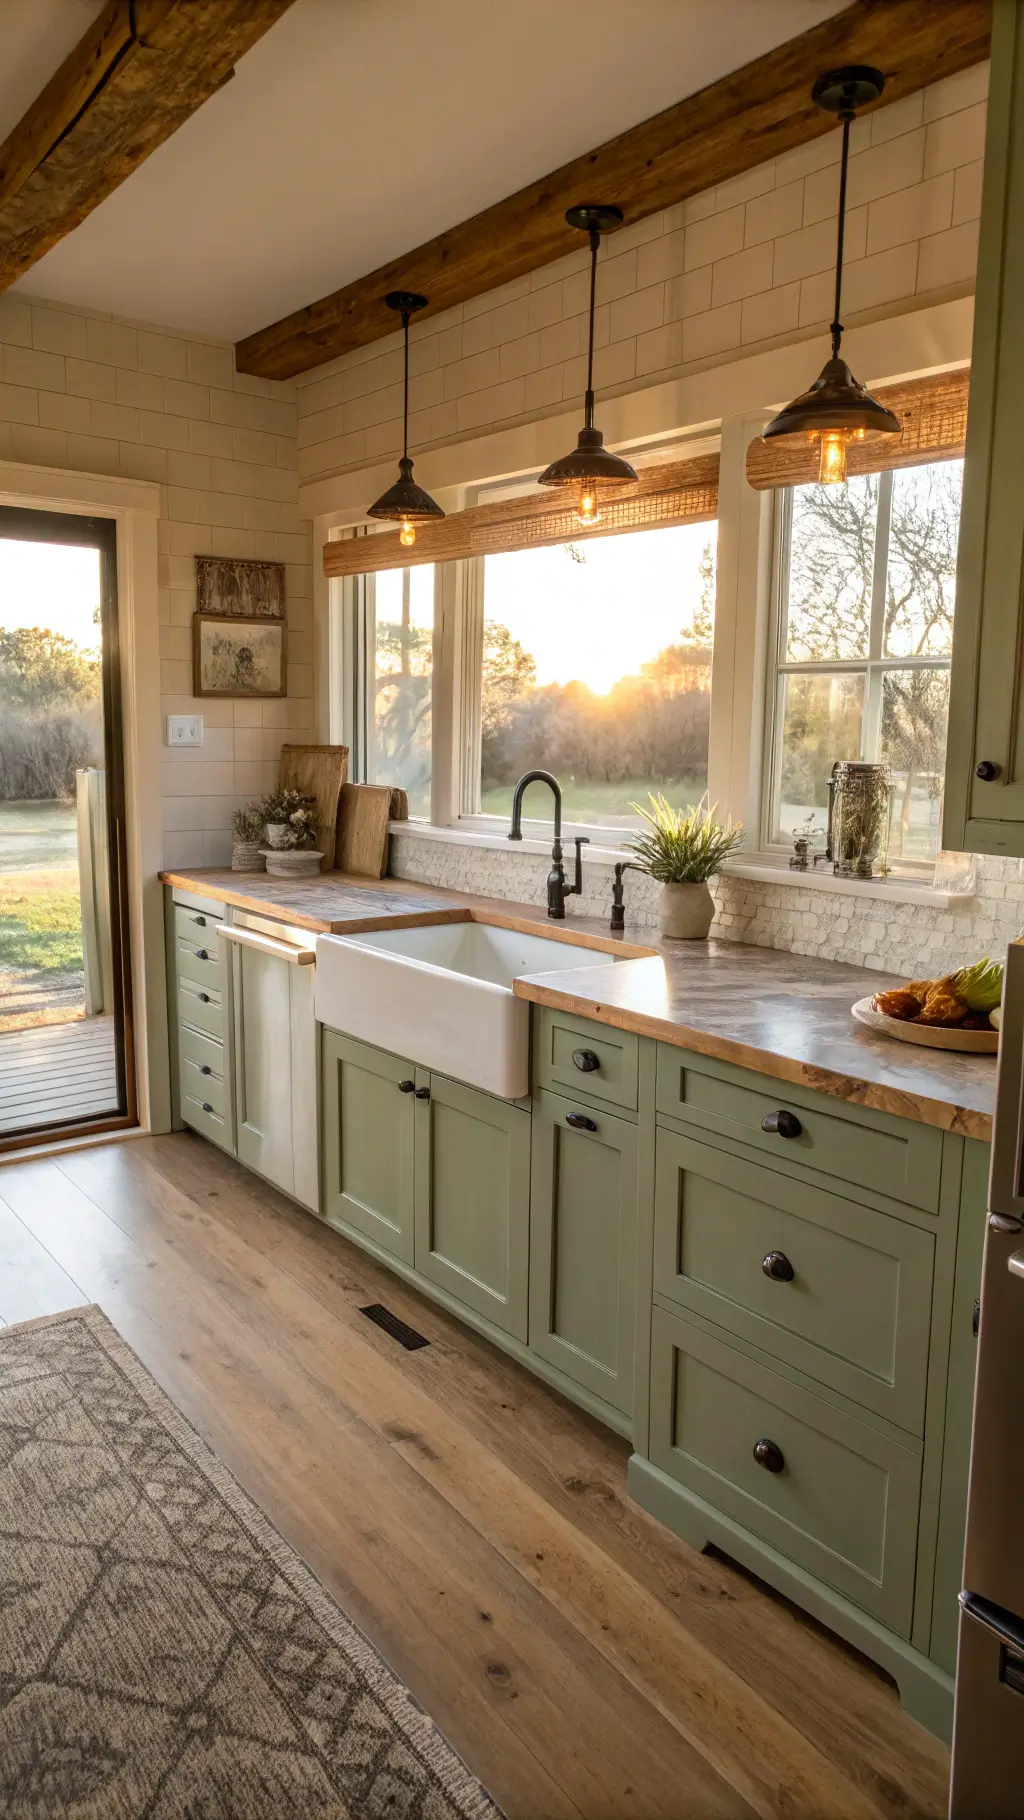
52, 1073
583, 1660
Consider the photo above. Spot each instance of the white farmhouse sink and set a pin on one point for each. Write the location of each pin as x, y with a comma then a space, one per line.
442, 996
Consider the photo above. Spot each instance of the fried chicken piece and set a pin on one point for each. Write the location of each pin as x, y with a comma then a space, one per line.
942, 1006
919, 988
900, 1002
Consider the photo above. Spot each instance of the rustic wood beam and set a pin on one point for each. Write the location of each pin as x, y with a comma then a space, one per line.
752, 115
140, 71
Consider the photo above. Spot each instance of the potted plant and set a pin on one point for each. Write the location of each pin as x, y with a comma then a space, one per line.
682, 849
291, 831
248, 828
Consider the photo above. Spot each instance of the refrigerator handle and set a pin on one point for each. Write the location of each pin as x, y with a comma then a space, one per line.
1006, 1189
1003, 1624
1015, 1264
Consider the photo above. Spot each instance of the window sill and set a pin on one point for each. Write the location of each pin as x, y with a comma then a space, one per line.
765, 870
894, 889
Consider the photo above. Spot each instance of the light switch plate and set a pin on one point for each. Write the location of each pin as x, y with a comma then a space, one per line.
184, 729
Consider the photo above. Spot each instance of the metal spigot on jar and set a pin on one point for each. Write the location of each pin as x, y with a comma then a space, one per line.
859, 797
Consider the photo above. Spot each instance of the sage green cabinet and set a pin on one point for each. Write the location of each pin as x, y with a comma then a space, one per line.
369, 1143
583, 1238
573, 1055
986, 720
472, 1199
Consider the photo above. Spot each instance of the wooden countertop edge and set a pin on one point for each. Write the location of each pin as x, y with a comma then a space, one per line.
944, 1115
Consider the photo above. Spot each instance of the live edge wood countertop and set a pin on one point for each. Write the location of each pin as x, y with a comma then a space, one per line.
784, 1015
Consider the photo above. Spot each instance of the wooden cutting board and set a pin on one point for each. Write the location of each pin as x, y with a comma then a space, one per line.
363, 829
320, 772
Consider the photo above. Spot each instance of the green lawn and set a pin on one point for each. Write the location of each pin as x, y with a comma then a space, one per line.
606, 805
40, 928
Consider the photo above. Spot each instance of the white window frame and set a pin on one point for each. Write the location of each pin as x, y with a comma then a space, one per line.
873, 667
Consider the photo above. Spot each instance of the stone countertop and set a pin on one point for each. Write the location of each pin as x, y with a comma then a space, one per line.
784, 1015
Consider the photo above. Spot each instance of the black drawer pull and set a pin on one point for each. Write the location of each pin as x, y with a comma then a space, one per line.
586, 1060
423, 1093
204, 1068
777, 1266
976, 1317
201, 920
407, 1086
202, 954
206, 1106
781, 1124
769, 1456
580, 1122
988, 771
204, 998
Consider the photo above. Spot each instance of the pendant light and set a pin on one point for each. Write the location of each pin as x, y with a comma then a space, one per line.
405, 502
590, 466
837, 409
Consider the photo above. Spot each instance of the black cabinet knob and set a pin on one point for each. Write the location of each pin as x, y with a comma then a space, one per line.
987, 770
204, 1068
782, 1124
423, 1093
206, 1106
777, 1266
202, 954
580, 1122
204, 998
586, 1060
768, 1455
407, 1086
201, 920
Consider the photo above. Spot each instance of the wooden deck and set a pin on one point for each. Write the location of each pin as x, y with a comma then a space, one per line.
53, 1073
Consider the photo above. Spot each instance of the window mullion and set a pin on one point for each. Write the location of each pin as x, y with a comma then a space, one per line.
880, 571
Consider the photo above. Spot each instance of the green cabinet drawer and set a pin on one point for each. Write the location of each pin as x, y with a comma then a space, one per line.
473, 1200
209, 1090
573, 1055
583, 1238
198, 928
891, 1156
207, 1053
837, 1497
202, 1115
203, 1006
829, 1287
203, 962
368, 1142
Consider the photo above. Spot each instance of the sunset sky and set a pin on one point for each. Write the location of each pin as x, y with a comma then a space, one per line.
51, 585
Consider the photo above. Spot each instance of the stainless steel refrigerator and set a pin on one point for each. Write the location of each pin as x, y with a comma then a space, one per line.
988, 1727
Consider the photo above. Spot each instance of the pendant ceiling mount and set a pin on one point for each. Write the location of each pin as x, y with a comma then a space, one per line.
837, 410
590, 466
405, 503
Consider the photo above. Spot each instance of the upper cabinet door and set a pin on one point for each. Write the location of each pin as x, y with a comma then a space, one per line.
985, 813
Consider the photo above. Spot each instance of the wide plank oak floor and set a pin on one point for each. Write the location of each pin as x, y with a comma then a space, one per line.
583, 1660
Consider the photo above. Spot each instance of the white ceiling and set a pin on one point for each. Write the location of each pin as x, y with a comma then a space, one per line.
358, 128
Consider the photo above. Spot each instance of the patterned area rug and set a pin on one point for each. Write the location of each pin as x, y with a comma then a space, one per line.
164, 1655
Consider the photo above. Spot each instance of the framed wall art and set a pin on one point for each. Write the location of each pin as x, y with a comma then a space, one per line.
248, 590
237, 657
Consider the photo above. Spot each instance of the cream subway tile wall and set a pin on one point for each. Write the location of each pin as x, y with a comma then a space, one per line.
872, 930
745, 266
111, 397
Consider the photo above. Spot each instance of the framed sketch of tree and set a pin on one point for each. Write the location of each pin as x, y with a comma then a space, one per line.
237, 657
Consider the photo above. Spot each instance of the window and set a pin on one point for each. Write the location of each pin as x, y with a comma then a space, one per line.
400, 634
866, 578
596, 665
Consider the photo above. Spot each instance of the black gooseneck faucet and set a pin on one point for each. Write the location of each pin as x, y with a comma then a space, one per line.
558, 890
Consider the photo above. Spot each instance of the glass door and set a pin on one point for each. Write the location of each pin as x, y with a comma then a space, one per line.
66, 1062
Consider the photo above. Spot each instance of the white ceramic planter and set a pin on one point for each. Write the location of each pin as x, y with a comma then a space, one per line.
685, 912
277, 834
246, 857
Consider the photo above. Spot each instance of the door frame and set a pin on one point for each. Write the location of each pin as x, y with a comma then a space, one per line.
134, 508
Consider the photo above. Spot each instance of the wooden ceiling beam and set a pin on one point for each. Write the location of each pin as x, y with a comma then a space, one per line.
139, 72
752, 115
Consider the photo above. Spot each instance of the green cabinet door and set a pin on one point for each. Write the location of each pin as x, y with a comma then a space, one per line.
956, 1449
473, 1199
368, 1143
263, 1071
984, 813
583, 1220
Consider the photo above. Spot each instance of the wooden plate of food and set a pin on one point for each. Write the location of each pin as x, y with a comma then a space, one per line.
959, 1011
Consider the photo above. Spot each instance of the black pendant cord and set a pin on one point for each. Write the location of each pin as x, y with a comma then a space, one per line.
405, 395
837, 328
588, 403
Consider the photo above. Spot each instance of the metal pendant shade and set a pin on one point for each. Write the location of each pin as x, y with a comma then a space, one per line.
405, 503
590, 466
837, 409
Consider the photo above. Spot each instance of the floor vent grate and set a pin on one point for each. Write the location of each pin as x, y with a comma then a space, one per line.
398, 1329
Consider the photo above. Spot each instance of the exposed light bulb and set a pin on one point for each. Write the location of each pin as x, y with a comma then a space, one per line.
586, 510
407, 535
832, 466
